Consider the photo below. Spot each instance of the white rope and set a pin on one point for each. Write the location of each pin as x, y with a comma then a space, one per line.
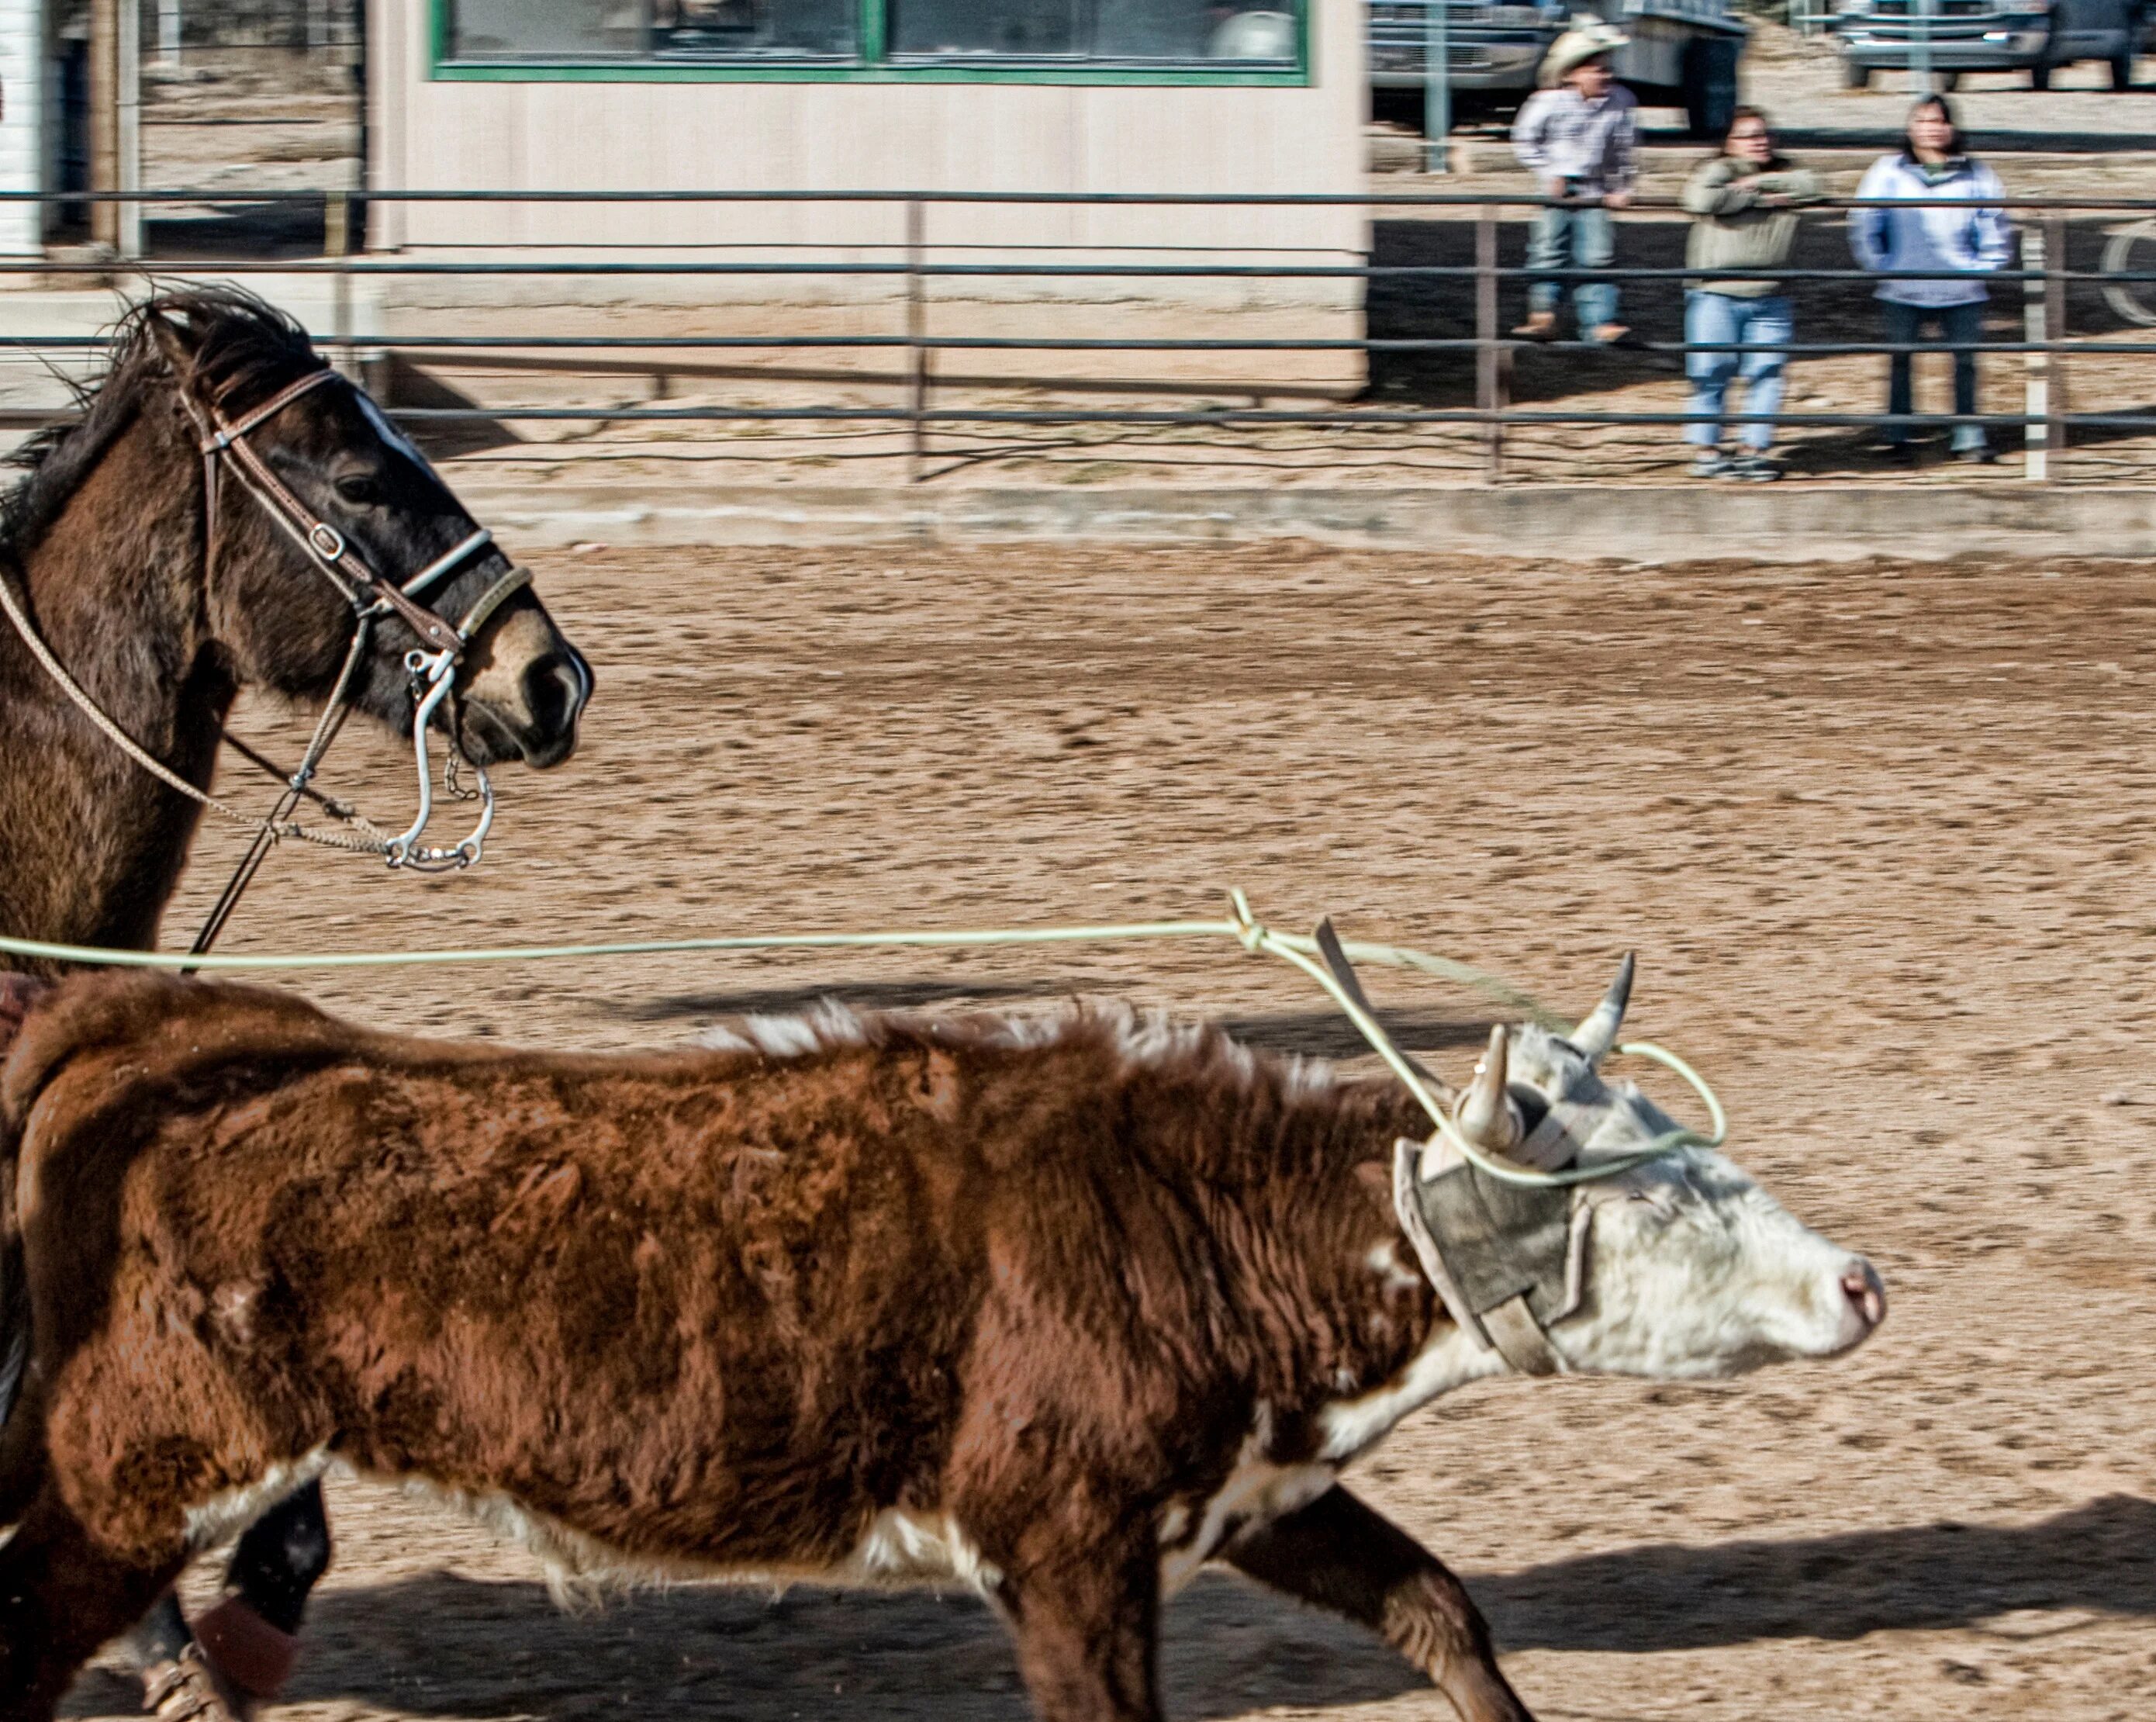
90, 709
1244, 928
366, 841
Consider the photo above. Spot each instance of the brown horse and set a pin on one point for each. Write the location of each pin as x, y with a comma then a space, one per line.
108, 539
161, 603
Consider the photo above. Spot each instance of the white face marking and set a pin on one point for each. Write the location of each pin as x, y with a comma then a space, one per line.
1693, 1271
1696, 1273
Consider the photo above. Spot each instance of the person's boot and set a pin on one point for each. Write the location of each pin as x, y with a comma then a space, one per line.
1540, 326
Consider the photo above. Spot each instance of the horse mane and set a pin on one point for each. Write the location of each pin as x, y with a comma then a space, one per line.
244, 349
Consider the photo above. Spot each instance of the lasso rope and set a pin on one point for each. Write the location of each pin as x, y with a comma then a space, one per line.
1244, 928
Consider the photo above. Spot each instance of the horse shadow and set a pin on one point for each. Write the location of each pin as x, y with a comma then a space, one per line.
437, 1645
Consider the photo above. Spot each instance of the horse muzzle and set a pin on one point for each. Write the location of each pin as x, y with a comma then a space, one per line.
524, 703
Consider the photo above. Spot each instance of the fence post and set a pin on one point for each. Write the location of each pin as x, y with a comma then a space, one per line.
1493, 362
917, 330
2055, 330
2036, 401
336, 243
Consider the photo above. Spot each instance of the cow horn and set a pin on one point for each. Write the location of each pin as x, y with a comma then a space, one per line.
1598, 1033
1485, 1116
1336, 959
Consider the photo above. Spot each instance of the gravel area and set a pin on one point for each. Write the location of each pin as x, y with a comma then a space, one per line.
1873, 830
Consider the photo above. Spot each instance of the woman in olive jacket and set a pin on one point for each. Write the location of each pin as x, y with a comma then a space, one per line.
1743, 200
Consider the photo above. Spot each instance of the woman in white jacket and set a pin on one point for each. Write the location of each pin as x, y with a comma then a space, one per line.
1961, 227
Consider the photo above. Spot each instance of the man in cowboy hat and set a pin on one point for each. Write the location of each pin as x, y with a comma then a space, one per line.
1576, 136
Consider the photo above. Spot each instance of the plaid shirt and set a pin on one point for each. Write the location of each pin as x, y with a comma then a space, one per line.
1559, 135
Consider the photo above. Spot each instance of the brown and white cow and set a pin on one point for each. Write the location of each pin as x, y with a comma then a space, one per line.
1061, 1308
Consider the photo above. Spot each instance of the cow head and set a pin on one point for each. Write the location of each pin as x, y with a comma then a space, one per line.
1681, 1267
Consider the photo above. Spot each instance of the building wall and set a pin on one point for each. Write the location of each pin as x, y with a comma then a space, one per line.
810, 136
22, 135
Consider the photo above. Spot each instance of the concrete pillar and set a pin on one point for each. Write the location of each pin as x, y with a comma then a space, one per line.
22, 123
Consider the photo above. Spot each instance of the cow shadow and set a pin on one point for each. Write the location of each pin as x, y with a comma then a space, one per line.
437, 1645
1322, 1033
2098, 1559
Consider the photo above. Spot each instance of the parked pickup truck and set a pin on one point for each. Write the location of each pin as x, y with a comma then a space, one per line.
2035, 36
1683, 53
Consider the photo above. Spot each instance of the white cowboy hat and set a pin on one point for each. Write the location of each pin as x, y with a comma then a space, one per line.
1575, 48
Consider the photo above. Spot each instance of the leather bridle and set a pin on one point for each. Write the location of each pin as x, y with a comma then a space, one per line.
373, 596
369, 592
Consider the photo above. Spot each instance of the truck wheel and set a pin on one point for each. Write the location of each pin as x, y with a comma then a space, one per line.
2121, 71
2040, 77
1709, 84
1854, 76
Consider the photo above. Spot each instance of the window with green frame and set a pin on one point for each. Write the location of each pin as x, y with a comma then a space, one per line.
1243, 41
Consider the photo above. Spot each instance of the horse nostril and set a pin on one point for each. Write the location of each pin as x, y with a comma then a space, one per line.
1865, 1295
554, 686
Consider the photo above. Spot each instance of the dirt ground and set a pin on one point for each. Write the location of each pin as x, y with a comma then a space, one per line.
1876, 832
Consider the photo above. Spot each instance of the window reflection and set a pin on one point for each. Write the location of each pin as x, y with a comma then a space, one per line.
660, 29
1110, 32
750, 29
1125, 31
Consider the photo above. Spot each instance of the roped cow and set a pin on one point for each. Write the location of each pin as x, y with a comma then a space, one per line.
1060, 1307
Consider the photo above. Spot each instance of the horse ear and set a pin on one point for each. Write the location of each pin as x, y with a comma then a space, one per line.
173, 341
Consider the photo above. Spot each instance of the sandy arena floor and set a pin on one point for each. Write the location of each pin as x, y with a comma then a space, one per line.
1878, 833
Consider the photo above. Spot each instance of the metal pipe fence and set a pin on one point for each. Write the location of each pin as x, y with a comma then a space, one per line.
1490, 352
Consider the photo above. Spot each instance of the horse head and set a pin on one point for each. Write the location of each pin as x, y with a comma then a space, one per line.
365, 492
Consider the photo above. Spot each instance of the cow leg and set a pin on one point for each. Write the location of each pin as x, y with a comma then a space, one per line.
61, 1597
1087, 1633
1337, 1554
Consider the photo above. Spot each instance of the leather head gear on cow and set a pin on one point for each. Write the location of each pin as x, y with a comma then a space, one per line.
1526, 1268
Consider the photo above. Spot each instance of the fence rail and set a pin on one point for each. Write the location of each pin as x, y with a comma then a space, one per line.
2046, 346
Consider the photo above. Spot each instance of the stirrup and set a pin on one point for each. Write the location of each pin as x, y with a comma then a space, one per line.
185, 1689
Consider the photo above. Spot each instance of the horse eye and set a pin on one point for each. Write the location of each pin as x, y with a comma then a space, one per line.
359, 489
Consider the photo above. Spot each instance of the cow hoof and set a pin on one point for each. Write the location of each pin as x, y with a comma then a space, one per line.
186, 1690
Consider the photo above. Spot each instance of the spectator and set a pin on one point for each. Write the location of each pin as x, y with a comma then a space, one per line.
1967, 232
1576, 136
1743, 200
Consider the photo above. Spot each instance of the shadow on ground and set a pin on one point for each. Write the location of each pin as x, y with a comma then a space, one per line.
1315, 1034
438, 1645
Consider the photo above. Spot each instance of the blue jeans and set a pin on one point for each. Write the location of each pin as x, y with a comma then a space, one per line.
1726, 320
1962, 326
1573, 239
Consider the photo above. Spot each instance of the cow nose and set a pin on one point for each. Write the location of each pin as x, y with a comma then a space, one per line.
1867, 1296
